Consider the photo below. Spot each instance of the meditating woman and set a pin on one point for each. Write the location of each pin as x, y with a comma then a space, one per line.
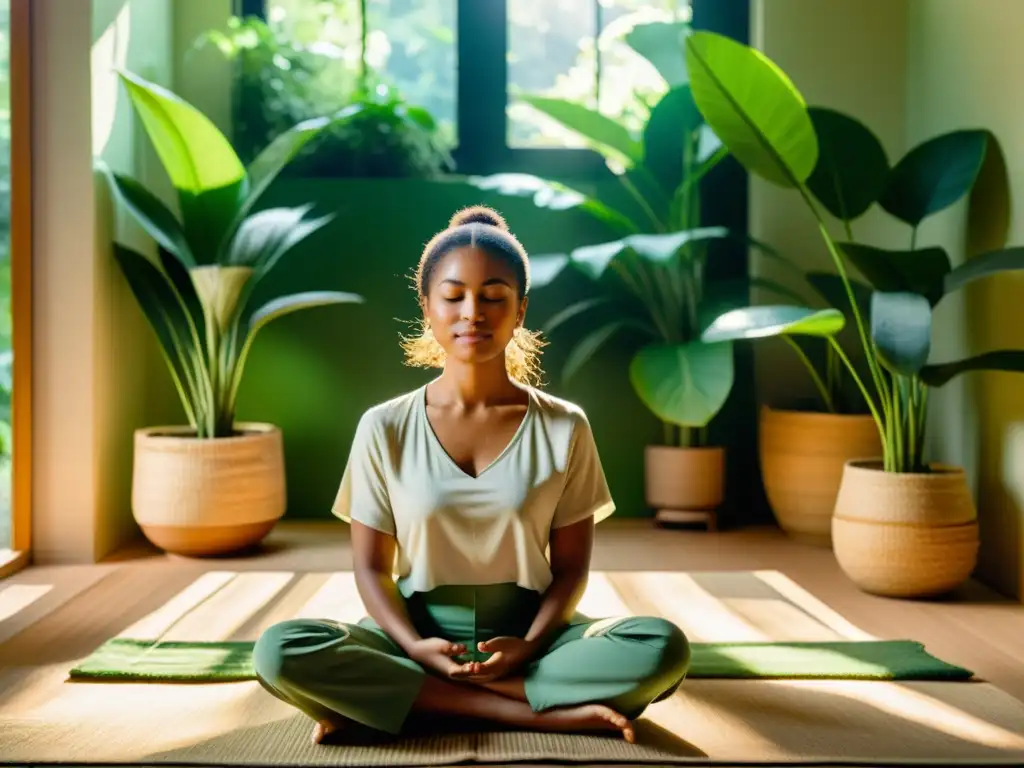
480, 492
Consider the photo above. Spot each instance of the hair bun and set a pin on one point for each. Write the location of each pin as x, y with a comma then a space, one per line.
478, 214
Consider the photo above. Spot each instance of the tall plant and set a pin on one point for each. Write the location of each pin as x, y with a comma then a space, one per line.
197, 293
763, 119
660, 252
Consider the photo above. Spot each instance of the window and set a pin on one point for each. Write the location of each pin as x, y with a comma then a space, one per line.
466, 61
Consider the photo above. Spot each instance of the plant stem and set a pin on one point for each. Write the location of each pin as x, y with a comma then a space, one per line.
856, 377
862, 332
822, 389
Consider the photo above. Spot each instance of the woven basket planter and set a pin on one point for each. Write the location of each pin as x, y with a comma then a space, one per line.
684, 484
802, 458
208, 497
902, 534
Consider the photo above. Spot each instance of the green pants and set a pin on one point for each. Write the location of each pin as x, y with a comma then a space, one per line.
327, 668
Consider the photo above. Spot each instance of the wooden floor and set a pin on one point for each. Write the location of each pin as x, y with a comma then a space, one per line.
975, 627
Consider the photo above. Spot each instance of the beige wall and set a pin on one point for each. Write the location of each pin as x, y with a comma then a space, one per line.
964, 64
849, 56
93, 357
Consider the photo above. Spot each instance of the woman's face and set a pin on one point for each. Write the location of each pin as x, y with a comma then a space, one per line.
472, 305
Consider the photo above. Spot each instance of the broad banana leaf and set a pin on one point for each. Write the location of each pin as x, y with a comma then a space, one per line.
601, 132
671, 138
287, 304
852, 166
594, 260
274, 157
155, 217
831, 288
934, 175
753, 107
774, 320
920, 271
987, 264
552, 196
661, 43
169, 320
210, 180
901, 327
683, 384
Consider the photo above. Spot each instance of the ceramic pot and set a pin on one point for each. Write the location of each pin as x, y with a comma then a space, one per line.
685, 484
208, 497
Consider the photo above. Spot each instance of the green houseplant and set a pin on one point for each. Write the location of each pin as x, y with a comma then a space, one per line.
215, 485
902, 525
657, 258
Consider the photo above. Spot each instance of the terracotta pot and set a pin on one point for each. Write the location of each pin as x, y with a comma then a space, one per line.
905, 534
211, 496
802, 458
685, 484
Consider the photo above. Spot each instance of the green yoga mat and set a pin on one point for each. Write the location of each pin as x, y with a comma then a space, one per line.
139, 660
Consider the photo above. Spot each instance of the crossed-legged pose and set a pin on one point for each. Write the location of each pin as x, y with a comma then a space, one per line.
480, 492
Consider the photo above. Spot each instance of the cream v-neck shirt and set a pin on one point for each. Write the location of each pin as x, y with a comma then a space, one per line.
455, 529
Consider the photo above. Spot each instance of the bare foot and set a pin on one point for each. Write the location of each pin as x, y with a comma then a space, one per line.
325, 728
586, 717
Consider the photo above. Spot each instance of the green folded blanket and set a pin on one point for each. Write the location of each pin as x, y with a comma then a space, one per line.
173, 661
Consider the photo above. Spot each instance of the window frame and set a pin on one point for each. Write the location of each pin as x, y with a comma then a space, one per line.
482, 90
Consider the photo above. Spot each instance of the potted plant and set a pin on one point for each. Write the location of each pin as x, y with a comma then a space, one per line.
661, 293
902, 525
215, 485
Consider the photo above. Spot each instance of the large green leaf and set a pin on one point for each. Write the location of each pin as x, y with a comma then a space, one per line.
552, 196
778, 320
989, 204
275, 156
196, 155
266, 236
293, 303
661, 43
1011, 360
155, 217
920, 271
604, 134
901, 326
671, 138
721, 296
983, 266
852, 166
179, 277
684, 384
753, 107
168, 319
934, 175
595, 259
545, 267
831, 288
201, 163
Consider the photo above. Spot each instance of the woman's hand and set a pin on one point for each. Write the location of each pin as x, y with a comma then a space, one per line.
508, 655
435, 653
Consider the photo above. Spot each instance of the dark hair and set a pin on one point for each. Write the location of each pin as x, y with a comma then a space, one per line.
476, 227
